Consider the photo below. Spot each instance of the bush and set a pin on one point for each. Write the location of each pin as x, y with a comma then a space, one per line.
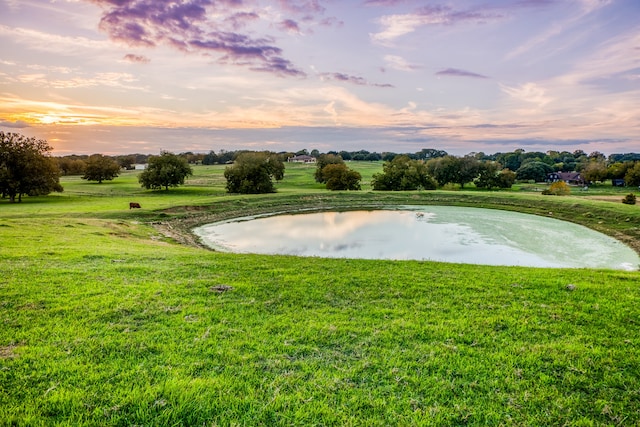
323, 161
403, 174
629, 199
536, 171
166, 170
490, 176
101, 168
252, 173
340, 177
559, 188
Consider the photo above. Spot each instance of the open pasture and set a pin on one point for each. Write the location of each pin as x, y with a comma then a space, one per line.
106, 320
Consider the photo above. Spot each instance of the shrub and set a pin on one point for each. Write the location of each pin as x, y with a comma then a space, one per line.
101, 168
166, 170
490, 176
323, 161
252, 173
340, 177
403, 174
629, 199
559, 188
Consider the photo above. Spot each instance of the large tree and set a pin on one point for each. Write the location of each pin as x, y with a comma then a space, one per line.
491, 175
468, 170
632, 177
595, 170
166, 170
340, 177
454, 170
71, 165
430, 153
324, 160
619, 170
126, 162
402, 174
534, 170
252, 173
101, 168
26, 168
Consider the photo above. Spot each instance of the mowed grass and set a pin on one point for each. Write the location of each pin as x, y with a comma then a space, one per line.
106, 321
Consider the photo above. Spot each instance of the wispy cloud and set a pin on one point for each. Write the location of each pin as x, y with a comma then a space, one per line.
54, 43
307, 14
535, 3
557, 28
302, 7
589, 6
528, 92
394, 26
241, 19
108, 79
346, 78
141, 59
399, 63
398, 25
454, 72
618, 56
385, 3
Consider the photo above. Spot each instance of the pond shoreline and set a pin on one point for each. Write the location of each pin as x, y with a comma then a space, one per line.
451, 234
611, 219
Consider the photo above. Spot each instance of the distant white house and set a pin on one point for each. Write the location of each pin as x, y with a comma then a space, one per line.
301, 159
140, 166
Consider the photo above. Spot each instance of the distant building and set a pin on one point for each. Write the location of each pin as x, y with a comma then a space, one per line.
301, 159
572, 178
140, 166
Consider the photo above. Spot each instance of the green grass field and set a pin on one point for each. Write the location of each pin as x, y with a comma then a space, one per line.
106, 320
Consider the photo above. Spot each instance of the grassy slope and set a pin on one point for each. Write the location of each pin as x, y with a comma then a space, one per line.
107, 322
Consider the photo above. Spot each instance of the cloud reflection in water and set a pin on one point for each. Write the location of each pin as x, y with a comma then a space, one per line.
437, 233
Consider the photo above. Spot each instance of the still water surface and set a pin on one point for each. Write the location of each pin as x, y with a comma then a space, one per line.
437, 233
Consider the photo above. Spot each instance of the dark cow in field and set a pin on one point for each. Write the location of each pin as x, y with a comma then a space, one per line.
135, 205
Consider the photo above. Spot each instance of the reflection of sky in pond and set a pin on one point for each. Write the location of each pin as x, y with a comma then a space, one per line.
438, 233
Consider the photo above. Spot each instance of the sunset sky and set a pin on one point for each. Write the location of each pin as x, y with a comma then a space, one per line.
141, 76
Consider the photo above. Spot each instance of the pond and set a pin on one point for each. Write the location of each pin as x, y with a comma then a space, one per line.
435, 233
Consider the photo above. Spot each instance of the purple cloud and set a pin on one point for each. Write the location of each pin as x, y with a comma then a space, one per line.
141, 59
278, 66
241, 19
331, 22
146, 22
447, 15
385, 3
14, 125
202, 26
341, 77
305, 7
289, 25
460, 73
536, 3
308, 11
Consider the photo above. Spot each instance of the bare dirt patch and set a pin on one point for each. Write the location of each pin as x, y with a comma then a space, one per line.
8, 352
617, 199
177, 234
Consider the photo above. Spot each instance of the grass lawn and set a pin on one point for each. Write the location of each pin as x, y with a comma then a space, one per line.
104, 320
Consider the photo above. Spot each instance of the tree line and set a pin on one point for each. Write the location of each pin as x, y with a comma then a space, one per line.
28, 168
533, 166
